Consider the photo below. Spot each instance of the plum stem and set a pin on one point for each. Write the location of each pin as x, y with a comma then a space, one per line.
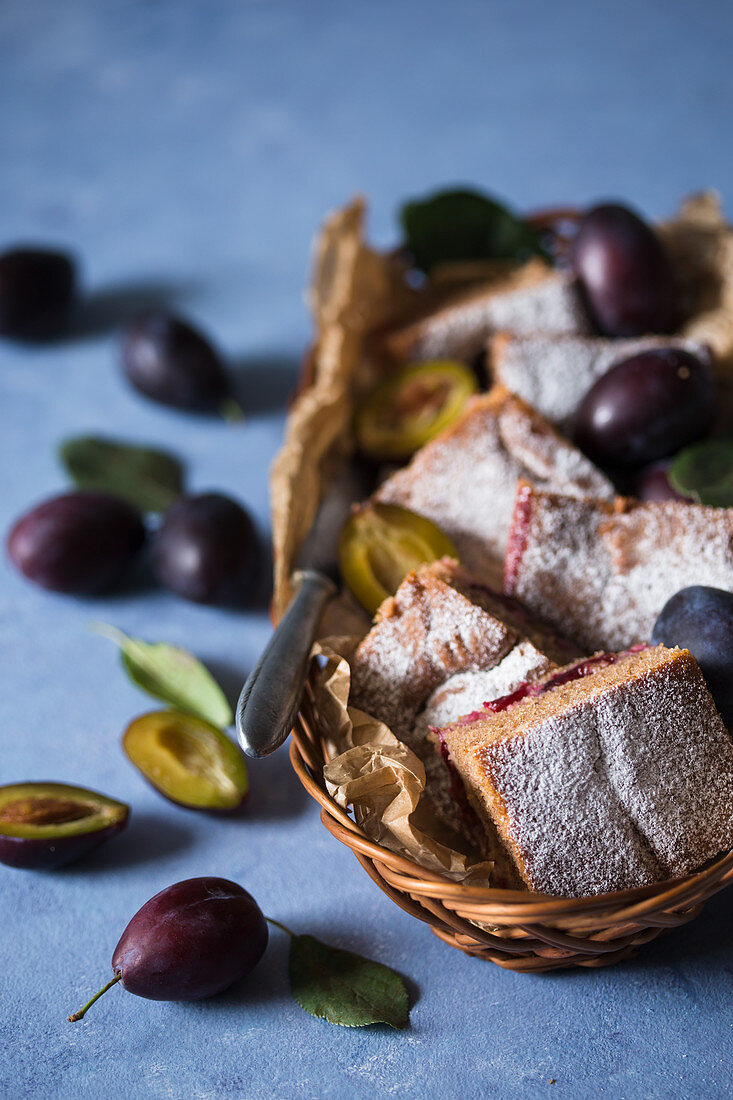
282, 927
82, 1011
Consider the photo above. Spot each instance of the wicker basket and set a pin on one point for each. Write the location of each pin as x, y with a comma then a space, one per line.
528, 932
516, 930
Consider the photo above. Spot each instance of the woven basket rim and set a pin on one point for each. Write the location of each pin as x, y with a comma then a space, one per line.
493, 902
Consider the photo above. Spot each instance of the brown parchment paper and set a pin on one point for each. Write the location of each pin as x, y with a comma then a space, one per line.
378, 776
356, 294
700, 243
354, 291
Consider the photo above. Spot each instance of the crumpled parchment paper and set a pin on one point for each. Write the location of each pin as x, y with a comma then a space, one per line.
379, 776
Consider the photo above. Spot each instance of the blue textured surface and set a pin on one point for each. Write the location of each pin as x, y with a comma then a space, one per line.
187, 151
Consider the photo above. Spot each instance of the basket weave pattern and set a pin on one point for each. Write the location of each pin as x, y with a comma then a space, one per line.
522, 931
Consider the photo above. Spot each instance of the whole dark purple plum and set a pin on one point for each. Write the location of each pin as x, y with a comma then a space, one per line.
80, 543
700, 618
170, 361
646, 408
625, 273
207, 550
37, 290
192, 940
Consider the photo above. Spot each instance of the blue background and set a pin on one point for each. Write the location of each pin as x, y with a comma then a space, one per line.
187, 152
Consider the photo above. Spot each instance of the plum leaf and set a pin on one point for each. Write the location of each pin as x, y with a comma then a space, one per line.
150, 479
345, 988
173, 675
464, 225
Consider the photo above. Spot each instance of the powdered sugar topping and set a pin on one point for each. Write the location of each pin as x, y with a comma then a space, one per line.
465, 480
460, 328
603, 576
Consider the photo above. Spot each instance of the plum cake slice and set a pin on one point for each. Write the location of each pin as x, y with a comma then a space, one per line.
601, 571
532, 299
465, 479
612, 773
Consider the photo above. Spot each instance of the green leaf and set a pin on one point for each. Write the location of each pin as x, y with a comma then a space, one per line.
172, 674
464, 225
150, 479
345, 988
704, 472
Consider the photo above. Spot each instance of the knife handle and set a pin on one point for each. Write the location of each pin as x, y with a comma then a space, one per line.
271, 696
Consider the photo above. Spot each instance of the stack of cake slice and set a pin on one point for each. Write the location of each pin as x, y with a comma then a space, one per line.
443, 629
611, 773
614, 771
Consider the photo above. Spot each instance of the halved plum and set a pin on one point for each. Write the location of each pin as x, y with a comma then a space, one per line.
411, 407
46, 825
188, 761
380, 544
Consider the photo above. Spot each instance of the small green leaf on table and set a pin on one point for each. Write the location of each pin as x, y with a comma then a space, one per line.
704, 472
150, 479
173, 675
464, 225
345, 988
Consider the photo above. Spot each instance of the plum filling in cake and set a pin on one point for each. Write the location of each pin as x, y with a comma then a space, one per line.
518, 536
529, 688
583, 668
486, 840
456, 788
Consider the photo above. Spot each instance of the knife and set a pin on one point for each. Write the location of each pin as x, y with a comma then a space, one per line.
271, 696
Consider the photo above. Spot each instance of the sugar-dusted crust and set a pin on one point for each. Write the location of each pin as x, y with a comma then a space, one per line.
602, 571
439, 622
618, 779
465, 480
534, 298
553, 373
